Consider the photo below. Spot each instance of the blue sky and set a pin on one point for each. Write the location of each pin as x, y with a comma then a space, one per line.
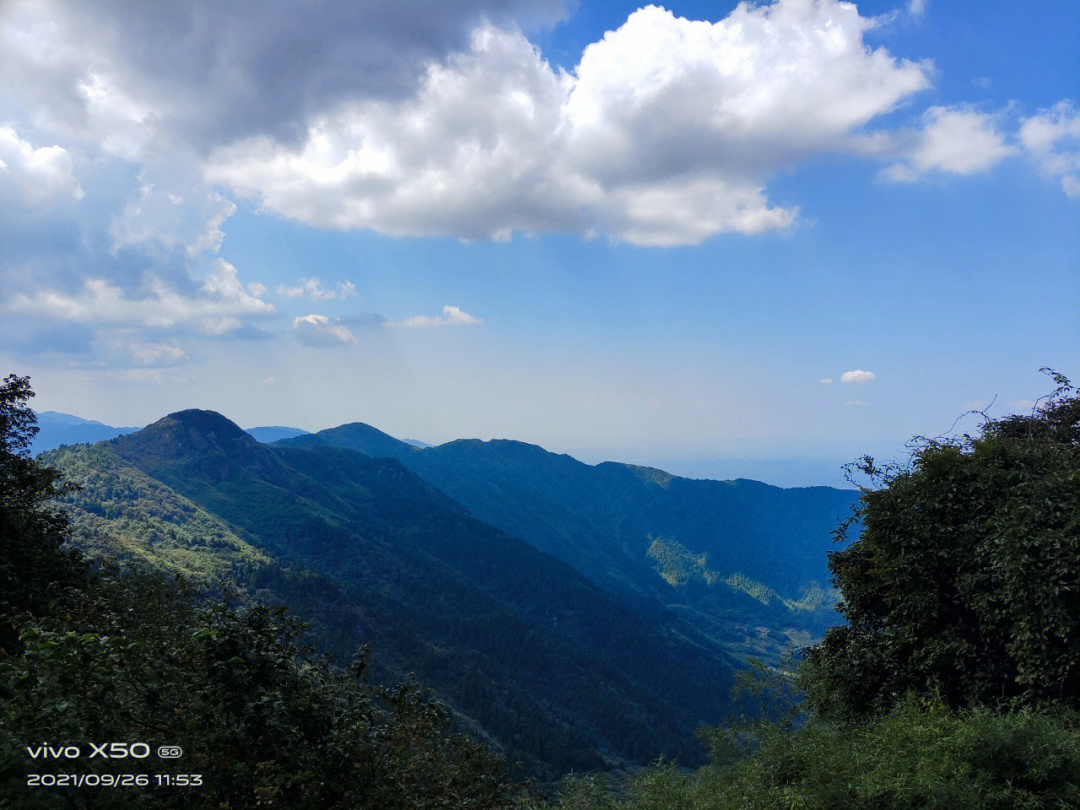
637, 233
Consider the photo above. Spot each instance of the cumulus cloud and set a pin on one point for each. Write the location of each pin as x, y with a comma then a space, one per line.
210, 239
219, 327
156, 354
39, 174
313, 288
1052, 138
138, 75
193, 222
411, 119
955, 140
321, 331
216, 306
826, 381
857, 376
666, 132
452, 316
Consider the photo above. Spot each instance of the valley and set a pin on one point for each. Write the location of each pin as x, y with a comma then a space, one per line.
577, 617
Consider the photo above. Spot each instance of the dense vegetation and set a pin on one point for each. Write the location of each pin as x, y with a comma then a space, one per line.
953, 685
966, 580
919, 756
605, 519
955, 682
124, 656
558, 673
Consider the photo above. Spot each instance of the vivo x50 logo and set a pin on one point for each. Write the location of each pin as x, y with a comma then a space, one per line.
110, 750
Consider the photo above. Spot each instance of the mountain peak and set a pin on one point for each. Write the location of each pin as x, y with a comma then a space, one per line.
356, 436
196, 434
200, 424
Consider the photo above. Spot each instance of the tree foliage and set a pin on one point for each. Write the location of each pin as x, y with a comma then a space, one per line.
965, 581
128, 656
34, 572
921, 755
955, 682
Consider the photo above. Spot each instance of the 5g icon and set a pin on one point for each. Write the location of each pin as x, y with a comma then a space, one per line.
170, 752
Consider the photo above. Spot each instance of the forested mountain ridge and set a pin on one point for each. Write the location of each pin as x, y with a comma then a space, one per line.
57, 429
901, 708
603, 520
559, 673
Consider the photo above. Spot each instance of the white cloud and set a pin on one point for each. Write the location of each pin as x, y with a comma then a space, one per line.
219, 327
666, 132
157, 354
314, 288
218, 304
159, 215
954, 140
857, 376
1024, 404
121, 125
141, 77
826, 381
1052, 137
210, 239
975, 405
452, 316
854, 403
39, 173
319, 330
257, 288
390, 117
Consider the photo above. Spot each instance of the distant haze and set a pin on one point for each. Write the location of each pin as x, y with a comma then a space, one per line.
57, 429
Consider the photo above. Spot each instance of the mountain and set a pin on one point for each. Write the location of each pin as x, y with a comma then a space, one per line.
274, 433
744, 562
56, 429
556, 671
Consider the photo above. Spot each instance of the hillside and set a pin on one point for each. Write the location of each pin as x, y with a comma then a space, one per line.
57, 429
766, 547
559, 673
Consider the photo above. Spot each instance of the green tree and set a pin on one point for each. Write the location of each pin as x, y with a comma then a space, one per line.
129, 656
965, 581
34, 571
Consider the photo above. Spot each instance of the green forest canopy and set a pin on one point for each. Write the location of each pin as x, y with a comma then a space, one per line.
954, 683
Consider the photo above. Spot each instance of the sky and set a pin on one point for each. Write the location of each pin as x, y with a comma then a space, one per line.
756, 239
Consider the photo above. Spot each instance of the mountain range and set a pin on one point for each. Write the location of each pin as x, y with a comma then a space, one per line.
57, 429
576, 616
715, 551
